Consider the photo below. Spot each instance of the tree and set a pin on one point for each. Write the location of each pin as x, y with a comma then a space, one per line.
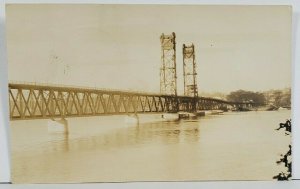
246, 96
280, 98
284, 99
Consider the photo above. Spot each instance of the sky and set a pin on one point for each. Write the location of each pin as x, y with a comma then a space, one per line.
118, 46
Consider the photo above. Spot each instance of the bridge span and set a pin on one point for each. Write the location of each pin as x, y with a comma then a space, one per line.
31, 101
37, 101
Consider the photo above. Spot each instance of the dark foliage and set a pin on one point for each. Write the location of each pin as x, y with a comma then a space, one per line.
246, 96
287, 126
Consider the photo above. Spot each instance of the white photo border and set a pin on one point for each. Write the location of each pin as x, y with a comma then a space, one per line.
4, 117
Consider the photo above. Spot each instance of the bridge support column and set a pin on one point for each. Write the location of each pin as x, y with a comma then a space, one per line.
58, 126
132, 119
169, 117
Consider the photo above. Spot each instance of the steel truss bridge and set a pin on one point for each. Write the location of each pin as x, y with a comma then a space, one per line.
29, 101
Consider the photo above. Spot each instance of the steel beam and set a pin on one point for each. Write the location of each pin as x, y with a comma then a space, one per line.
41, 102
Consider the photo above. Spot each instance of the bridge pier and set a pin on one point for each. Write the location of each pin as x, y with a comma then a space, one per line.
169, 116
58, 126
135, 119
132, 119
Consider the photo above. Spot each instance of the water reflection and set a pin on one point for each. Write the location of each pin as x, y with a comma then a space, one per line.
233, 146
159, 133
58, 142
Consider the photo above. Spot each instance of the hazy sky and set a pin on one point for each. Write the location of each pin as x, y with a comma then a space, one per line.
118, 46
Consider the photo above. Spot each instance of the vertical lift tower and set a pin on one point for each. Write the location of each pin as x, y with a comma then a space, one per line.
168, 77
190, 74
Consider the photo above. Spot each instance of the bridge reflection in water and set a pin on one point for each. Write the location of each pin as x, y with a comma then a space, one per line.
28, 101
102, 149
159, 132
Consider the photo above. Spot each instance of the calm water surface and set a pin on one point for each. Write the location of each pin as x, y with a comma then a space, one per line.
232, 146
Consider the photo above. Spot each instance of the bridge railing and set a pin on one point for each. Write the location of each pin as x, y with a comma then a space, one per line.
75, 87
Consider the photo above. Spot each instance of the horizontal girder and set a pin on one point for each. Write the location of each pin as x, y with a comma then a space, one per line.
38, 101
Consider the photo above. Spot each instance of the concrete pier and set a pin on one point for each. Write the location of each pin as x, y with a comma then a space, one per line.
132, 119
170, 117
186, 115
147, 118
58, 126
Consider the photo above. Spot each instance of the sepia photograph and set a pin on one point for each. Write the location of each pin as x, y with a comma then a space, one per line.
131, 93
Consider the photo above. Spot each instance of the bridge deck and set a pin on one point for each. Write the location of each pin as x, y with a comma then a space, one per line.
39, 101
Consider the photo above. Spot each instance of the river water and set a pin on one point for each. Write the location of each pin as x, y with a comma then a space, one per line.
232, 146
